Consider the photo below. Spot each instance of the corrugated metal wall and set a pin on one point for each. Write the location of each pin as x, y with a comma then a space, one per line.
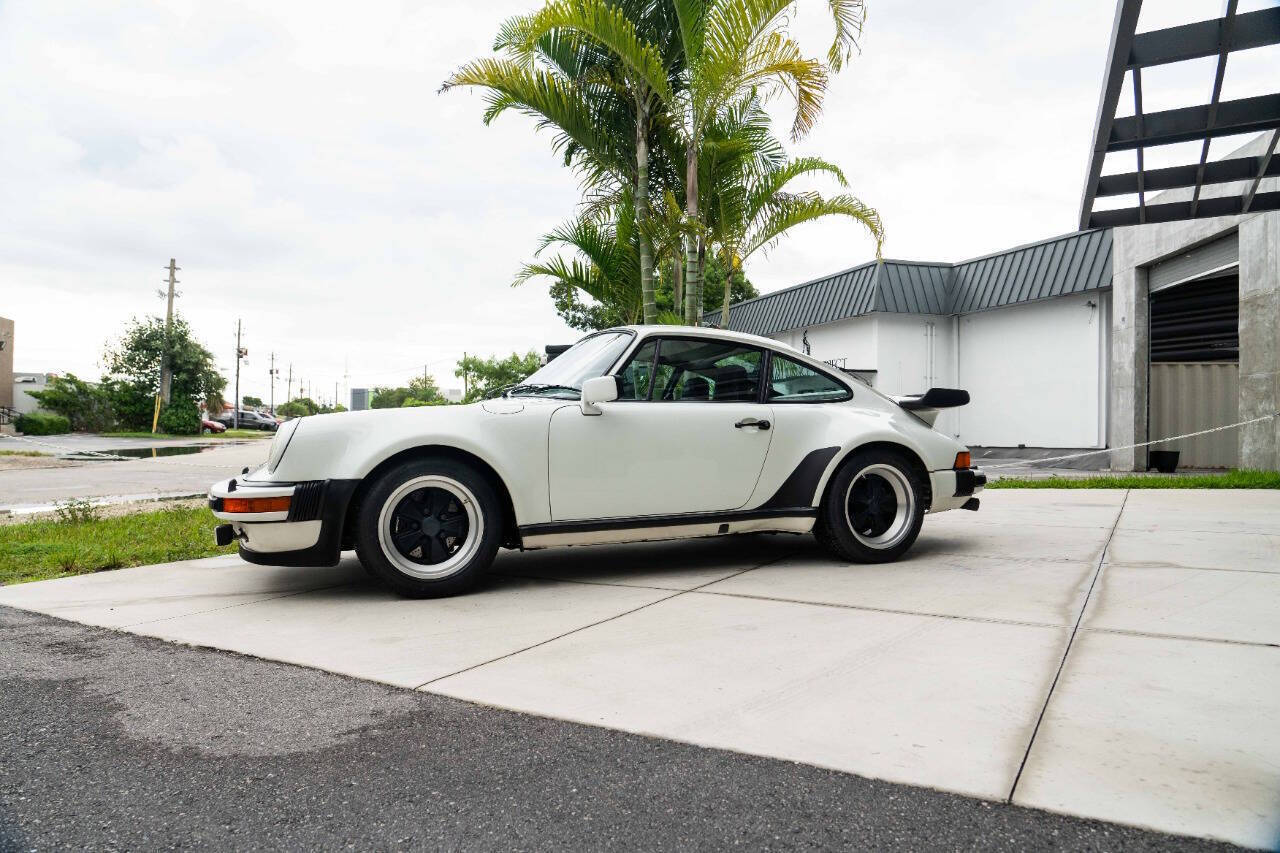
1190, 396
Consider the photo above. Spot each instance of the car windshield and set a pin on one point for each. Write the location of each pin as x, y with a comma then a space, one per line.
564, 376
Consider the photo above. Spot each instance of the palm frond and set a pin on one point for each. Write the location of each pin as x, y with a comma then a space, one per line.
849, 17
577, 120
607, 23
787, 213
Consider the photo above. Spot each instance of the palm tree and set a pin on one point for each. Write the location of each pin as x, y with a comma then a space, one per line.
731, 49
607, 266
613, 53
744, 173
634, 88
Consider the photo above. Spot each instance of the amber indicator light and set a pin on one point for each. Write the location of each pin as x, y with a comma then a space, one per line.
256, 504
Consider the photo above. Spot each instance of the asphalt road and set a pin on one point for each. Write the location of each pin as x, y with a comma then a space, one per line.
137, 478
113, 741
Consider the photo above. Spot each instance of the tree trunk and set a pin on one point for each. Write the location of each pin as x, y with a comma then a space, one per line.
677, 285
692, 293
650, 307
728, 284
702, 282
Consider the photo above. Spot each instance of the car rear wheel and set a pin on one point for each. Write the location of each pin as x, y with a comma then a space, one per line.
874, 508
429, 527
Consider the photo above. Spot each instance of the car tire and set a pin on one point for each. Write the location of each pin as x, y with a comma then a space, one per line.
429, 527
874, 507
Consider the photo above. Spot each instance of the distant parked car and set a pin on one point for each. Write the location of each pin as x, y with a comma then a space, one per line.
207, 426
249, 420
636, 433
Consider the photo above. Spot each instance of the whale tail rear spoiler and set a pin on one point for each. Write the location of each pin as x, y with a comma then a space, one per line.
926, 406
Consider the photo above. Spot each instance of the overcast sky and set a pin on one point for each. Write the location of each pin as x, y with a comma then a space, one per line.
296, 159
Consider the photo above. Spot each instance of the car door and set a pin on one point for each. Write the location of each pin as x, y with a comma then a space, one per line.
687, 434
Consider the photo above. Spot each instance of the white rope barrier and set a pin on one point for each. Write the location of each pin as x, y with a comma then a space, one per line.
1027, 462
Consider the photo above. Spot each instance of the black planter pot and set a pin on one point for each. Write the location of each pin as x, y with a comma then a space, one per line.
1164, 461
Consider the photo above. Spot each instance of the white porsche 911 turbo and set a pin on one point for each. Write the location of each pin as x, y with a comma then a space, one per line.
635, 433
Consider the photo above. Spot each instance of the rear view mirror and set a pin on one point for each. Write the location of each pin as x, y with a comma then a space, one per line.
598, 389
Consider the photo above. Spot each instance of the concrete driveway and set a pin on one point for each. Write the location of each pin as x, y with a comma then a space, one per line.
1100, 653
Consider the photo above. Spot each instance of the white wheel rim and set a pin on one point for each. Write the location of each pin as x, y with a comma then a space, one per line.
388, 525
884, 526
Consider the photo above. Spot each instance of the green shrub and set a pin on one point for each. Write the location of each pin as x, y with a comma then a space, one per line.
180, 417
38, 423
86, 405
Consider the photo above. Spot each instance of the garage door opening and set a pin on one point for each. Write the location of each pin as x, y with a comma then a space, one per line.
1195, 369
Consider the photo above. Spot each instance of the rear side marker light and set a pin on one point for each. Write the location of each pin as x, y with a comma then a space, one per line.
963, 460
280, 504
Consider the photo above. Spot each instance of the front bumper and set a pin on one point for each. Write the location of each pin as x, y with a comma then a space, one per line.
309, 533
952, 489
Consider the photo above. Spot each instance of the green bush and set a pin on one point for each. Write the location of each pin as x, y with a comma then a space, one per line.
86, 405
38, 423
180, 417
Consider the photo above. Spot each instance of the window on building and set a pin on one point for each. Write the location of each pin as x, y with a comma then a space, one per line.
793, 382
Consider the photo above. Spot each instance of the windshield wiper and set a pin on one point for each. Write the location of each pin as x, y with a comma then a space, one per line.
539, 387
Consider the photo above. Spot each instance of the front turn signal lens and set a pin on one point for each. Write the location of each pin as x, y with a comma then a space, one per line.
280, 504
963, 460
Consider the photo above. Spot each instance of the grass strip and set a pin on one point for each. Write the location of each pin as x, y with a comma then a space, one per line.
39, 550
1228, 480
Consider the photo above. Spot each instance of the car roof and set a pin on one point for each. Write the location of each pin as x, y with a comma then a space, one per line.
705, 332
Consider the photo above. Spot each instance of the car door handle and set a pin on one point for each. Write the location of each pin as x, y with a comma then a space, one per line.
746, 422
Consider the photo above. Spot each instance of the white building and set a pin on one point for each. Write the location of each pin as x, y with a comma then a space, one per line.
1103, 338
1025, 332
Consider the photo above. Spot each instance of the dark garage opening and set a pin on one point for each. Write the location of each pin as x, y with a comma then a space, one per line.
1195, 372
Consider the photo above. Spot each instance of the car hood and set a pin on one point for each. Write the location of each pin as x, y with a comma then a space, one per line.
320, 439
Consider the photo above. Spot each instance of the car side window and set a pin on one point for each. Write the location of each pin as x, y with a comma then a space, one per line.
793, 382
706, 371
637, 377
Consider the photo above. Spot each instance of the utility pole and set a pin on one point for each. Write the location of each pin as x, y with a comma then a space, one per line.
288, 392
272, 372
166, 372
464, 376
335, 395
241, 352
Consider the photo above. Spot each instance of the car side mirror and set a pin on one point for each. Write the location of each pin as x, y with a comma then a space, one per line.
596, 390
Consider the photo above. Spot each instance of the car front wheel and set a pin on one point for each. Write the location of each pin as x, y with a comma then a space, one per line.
874, 507
429, 527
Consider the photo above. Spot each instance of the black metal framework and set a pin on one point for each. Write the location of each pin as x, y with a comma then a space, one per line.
1131, 52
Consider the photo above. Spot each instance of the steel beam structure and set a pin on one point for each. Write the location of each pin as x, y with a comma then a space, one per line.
1130, 52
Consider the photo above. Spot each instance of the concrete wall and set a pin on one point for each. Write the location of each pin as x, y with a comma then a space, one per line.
1260, 340
1035, 373
1138, 247
6, 362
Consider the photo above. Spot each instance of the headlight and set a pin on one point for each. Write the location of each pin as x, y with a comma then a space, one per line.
280, 443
